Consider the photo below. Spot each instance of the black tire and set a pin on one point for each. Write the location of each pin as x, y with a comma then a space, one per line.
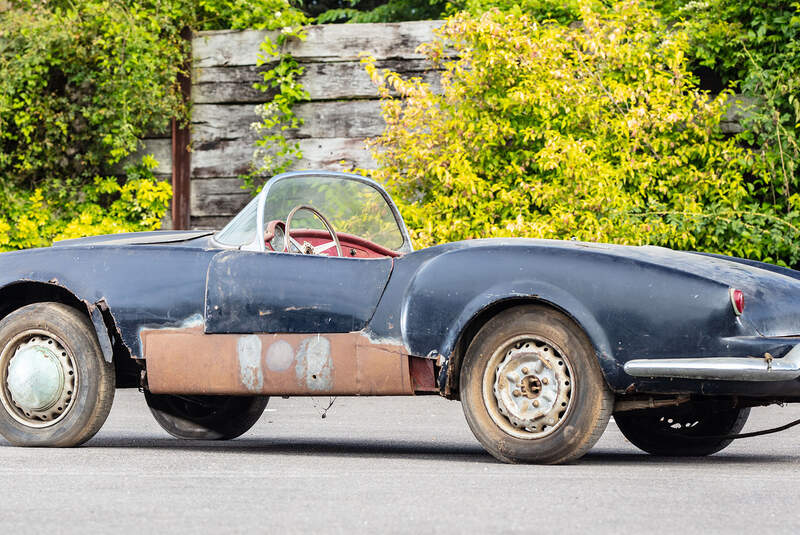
206, 417
63, 339
500, 350
674, 431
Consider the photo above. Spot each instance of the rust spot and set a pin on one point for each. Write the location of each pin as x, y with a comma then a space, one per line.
188, 361
422, 375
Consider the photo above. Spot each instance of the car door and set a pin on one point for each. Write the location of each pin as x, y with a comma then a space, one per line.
256, 292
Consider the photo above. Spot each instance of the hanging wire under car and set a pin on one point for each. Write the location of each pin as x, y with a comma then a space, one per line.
738, 435
323, 412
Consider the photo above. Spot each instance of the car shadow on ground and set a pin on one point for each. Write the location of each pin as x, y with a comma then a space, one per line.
611, 458
306, 446
443, 451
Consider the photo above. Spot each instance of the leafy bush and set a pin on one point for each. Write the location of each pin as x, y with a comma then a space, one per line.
79, 86
563, 11
755, 46
333, 11
384, 11
240, 14
596, 131
104, 206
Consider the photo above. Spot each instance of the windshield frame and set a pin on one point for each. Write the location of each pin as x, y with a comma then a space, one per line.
258, 243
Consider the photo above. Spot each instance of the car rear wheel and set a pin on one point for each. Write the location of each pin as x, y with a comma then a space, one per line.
531, 387
206, 417
56, 389
683, 431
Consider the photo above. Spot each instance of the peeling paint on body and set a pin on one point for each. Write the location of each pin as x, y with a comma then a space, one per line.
248, 349
280, 356
314, 365
386, 341
193, 321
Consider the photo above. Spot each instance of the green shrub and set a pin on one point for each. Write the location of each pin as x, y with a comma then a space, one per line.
239, 14
595, 131
53, 211
563, 11
80, 84
755, 47
80, 87
384, 11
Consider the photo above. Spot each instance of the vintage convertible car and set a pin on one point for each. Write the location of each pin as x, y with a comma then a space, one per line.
314, 289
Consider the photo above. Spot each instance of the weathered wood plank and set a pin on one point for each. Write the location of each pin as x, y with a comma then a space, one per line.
227, 158
341, 118
219, 186
217, 122
232, 158
335, 154
209, 222
331, 42
218, 197
323, 81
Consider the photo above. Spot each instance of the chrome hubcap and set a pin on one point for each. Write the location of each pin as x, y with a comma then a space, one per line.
35, 377
527, 388
39, 381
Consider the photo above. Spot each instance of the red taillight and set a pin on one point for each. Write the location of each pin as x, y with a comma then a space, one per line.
737, 300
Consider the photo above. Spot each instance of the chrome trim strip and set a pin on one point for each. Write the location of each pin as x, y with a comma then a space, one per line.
786, 368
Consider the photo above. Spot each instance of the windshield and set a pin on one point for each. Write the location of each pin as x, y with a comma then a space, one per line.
351, 206
242, 228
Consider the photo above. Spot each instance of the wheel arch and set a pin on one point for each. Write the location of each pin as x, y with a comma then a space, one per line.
448, 379
18, 294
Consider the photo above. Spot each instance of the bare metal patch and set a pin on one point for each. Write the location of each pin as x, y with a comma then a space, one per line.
387, 341
314, 364
193, 321
248, 348
280, 356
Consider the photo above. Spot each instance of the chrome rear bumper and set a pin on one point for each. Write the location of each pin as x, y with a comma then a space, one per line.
786, 368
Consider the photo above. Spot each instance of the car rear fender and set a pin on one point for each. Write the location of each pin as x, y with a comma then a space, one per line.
627, 308
502, 296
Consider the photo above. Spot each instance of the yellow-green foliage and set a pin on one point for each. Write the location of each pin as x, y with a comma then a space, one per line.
80, 84
596, 131
36, 218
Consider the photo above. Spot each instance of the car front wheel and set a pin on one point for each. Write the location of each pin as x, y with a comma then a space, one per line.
56, 389
205, 417
531, 387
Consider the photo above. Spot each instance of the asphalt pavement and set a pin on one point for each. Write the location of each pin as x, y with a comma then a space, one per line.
388, 465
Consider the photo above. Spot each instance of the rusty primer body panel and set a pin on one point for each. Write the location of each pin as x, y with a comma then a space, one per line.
188, 361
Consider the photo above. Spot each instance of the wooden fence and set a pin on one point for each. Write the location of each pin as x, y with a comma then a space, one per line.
344, 108
343, 111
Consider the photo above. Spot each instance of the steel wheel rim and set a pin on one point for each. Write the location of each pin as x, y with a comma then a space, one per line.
528, 387
57, 399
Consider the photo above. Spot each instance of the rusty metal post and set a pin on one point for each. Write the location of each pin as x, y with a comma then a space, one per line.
181, 149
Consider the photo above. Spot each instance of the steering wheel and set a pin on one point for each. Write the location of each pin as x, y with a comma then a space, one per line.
307, 248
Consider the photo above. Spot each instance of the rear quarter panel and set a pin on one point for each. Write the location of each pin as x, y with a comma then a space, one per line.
628, 308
